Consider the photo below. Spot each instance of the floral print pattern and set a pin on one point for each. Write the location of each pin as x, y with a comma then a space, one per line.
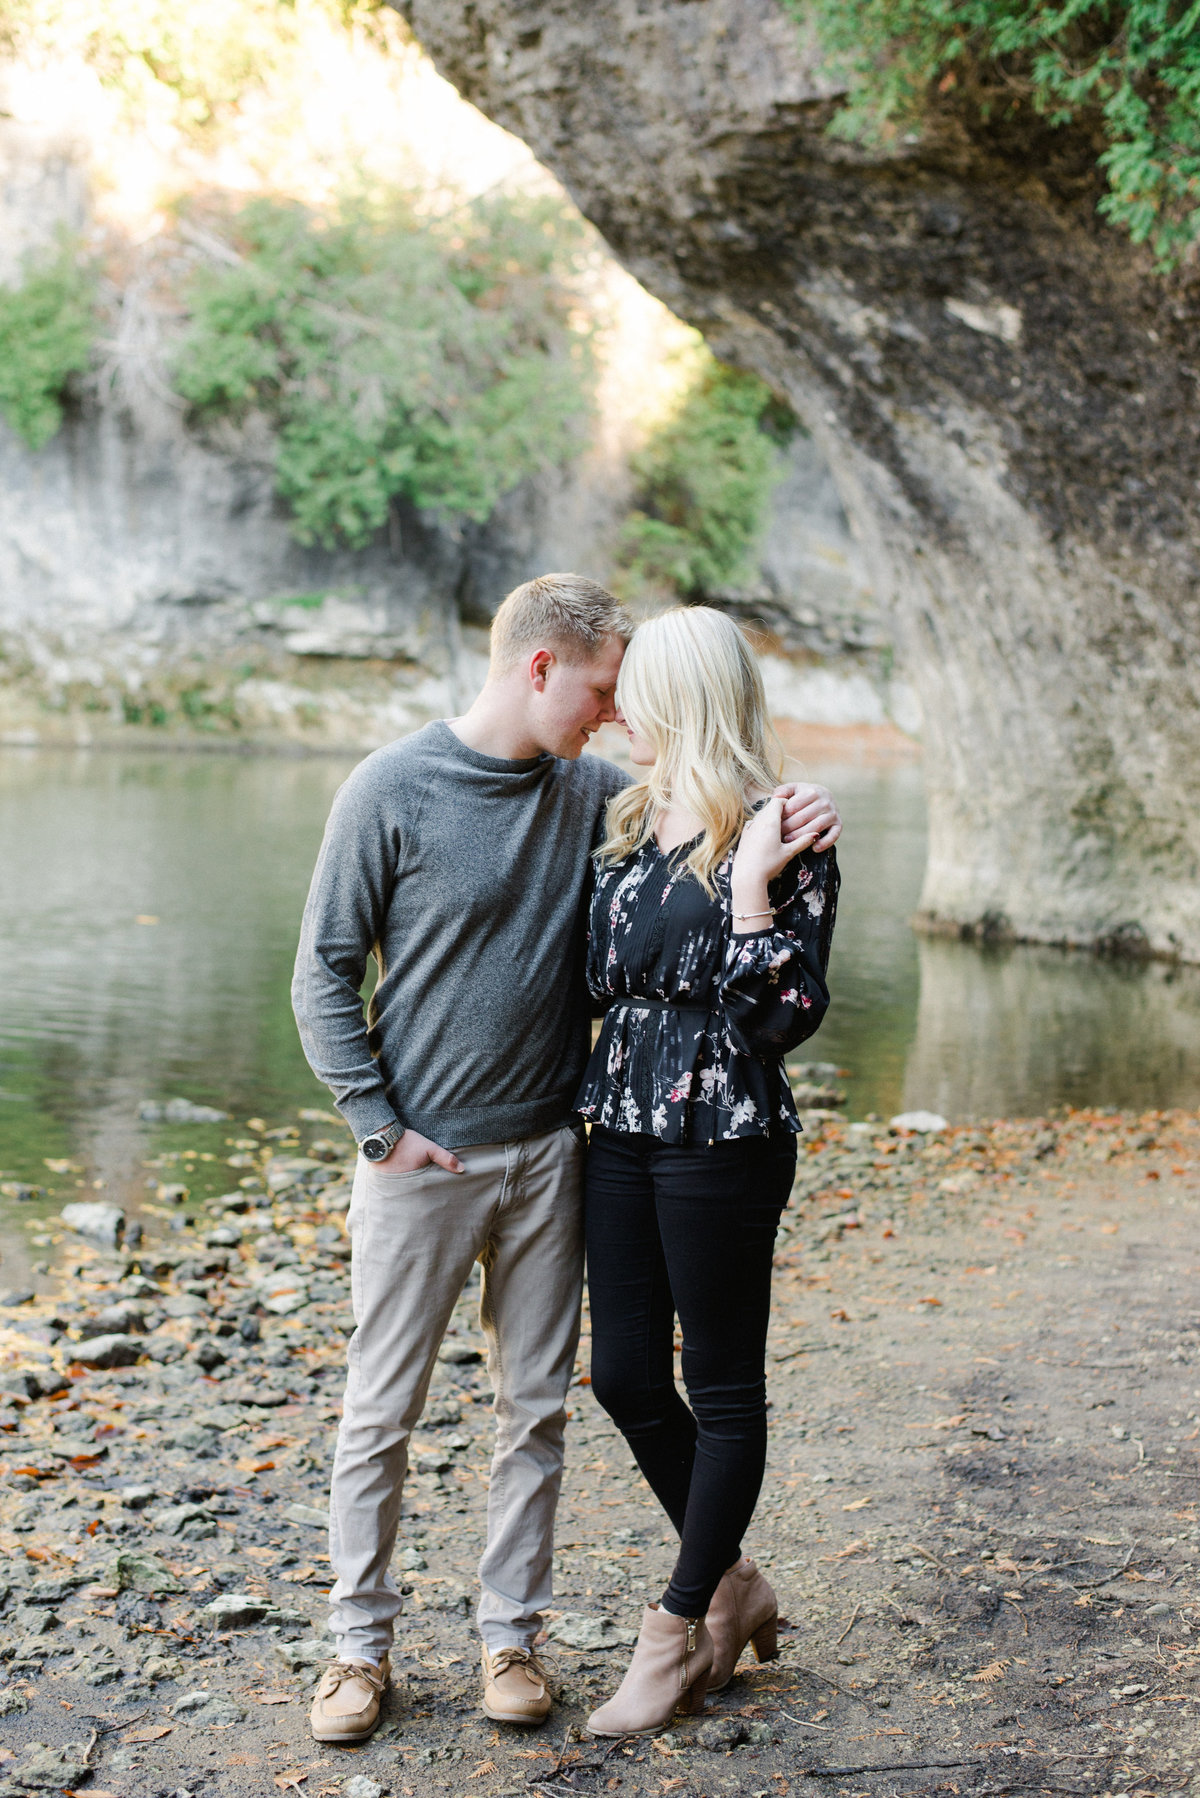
697, 1020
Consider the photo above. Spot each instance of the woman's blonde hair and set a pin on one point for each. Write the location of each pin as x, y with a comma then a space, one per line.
690, 684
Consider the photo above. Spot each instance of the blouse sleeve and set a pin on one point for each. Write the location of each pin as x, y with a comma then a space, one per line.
773, 988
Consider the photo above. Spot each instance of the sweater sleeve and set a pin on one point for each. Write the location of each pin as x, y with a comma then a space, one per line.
773, 988
343, 922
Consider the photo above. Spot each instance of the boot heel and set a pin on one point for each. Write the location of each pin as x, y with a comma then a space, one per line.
693, 1699
766, 1640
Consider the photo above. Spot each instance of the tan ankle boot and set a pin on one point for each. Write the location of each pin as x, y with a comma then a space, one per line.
744, 1609
669, 1672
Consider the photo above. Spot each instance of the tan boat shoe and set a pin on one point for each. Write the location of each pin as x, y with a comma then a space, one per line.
514, 1687
346, 1705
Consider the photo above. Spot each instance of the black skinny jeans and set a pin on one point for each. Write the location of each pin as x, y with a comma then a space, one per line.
688, 1231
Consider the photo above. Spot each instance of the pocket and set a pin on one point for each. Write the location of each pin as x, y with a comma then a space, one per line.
383, 1180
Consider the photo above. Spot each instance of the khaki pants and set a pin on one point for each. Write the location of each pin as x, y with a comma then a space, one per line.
517, 1210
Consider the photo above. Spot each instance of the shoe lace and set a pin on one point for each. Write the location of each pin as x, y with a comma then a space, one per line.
504, 1658
340, 1671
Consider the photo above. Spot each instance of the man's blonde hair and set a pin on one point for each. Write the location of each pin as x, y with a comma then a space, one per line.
690, 684
558, 611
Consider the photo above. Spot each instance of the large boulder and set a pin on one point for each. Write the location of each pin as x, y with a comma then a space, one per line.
1004, 388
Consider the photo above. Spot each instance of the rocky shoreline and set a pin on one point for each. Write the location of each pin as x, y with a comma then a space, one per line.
167, 1422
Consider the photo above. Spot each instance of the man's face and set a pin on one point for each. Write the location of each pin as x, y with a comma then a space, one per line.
573, 699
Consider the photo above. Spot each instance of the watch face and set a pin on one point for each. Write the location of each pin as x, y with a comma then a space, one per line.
374, 1148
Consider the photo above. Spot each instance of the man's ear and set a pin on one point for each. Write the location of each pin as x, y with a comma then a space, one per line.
540, 664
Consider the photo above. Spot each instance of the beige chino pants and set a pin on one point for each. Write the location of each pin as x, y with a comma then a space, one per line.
518, 1211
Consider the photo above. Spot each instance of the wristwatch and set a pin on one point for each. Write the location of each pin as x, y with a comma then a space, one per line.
379, 1145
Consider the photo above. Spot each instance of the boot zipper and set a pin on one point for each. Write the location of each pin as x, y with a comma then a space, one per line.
689, 1650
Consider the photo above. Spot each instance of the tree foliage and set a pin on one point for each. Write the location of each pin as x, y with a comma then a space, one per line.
704, 482
47, 331
438, 359
188, 67
1130, 67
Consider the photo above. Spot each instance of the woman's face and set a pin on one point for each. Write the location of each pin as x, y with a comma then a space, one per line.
641, 751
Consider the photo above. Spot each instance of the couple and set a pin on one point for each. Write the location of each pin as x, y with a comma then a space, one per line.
465, 858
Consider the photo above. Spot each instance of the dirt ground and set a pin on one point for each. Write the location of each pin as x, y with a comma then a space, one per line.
980, 1510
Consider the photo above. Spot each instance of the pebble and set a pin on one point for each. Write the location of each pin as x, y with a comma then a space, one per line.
99, 1222
179, 1111
54, 1769
297, 1513
192, 1522
236, 1609
117, 1350
134, 1570
360, 1786
924, 1123
211, 1708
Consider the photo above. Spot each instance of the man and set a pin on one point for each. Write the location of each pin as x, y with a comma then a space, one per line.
459, 858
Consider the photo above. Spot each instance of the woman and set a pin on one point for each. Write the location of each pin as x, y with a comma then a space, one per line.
709, 941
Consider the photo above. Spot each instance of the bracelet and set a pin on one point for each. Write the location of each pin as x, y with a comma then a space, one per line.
741, 916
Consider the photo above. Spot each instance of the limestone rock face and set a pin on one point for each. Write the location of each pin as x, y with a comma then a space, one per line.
1006, 393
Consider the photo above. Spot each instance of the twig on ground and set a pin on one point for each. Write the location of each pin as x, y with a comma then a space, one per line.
883, 1767
850, 1625
1012, 1604
814, 1673
538, 1781
825, 1728
916, 1549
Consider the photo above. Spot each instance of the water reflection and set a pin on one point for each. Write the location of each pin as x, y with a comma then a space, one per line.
1021, 1030
99, 1010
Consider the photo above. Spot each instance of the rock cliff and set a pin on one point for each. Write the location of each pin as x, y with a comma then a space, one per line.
1006, 393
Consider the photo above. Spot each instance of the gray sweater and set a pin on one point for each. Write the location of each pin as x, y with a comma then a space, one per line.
467, 878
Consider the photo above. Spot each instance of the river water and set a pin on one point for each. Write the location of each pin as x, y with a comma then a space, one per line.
149, 906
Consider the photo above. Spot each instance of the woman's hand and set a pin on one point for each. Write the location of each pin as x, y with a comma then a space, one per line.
763, 852
812, 809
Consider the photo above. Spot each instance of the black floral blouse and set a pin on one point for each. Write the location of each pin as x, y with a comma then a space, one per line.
697, 1020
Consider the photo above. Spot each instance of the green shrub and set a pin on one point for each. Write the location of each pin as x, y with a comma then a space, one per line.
705, 479
47, 330
1130, 67
435, 359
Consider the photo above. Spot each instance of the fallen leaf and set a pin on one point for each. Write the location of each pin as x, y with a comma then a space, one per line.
851, 1548
859, 1504
152, 1733
242, 1760
1109, 1229
988, 1675
271, 1698
839, 1316
484, 1768
292, 1777
929, 1301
